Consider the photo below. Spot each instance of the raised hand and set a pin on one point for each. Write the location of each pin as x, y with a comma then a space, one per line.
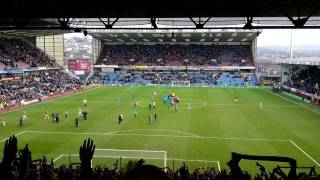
10, 150
86, 152
9, 155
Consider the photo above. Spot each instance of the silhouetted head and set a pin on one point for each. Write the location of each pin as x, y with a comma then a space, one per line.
147, 172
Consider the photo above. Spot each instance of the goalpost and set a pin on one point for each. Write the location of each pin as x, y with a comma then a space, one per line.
131, 154
180, 83
118, 154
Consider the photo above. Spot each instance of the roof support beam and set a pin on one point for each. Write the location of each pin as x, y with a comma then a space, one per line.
109, 24
200, 24
248, 24
299, 22
64, 22
154, 23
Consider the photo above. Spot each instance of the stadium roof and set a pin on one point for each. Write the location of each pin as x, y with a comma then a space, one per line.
165, 36
157, 8
74, 24
33, 33
84, 14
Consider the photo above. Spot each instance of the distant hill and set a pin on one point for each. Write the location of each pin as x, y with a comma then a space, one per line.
276, 52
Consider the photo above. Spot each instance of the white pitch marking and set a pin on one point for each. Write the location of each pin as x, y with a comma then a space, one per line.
59, 157
139, 157
128, 150
158, 135
219, 166
15, 135
305, 107
169, 130
155, 135
304, 152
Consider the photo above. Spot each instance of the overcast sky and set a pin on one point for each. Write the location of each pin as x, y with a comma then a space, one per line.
281, 37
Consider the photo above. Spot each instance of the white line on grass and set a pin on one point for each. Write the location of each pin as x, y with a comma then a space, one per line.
159, 135
292, 142
175, 136
139, 157
59, 157
250, 105
65, 132
129, 150
245, 139
303, 106
219, 166
163, 130
18, 134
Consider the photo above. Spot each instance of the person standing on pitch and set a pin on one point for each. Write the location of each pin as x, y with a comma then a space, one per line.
79, 113
46, 115
66, 114
84, 101
76, 121
153, 104
21, 122
260, 105
120, 119
57, 118
189, 106
150, 119
4, 120
155, 117
135, 113
24, 116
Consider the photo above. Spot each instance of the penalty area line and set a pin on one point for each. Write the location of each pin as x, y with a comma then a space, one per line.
17, 134
306, 154
140, 157
56, 159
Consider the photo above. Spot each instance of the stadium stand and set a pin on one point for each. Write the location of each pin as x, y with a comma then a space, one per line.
196, 78
177, 55
35, 85
20, 165
16, 53
304, 78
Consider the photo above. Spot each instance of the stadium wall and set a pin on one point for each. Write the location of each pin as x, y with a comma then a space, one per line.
96, 49
53, 45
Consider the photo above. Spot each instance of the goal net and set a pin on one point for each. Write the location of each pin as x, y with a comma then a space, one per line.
180, 83
109, 156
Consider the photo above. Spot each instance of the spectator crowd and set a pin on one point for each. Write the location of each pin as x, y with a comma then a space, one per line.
177, 55
192, 78
19, 165
35, 85
16, 53
304, 78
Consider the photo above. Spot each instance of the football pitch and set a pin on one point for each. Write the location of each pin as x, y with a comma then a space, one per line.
204, 134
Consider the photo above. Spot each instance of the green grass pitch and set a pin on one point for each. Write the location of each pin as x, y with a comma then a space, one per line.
214, 127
